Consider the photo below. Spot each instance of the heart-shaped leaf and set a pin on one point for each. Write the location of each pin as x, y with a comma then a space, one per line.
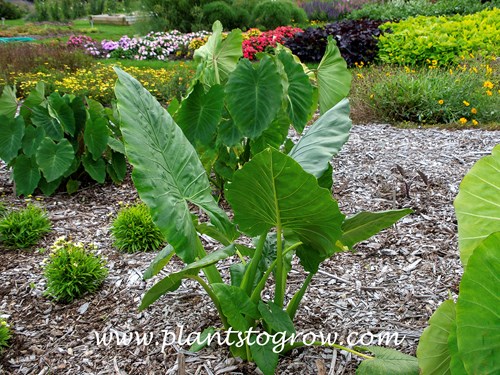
219, 57
334, 79
54, 158
273, 189
26, 175
200, 114
8, 102
62, 112
254, 96
95, 168
31, 140
40, 117
11, 136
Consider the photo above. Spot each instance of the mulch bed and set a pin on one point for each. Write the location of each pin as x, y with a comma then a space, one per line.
392, 283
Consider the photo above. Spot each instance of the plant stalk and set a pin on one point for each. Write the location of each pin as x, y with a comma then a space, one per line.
212, 296
249, 277
279, 291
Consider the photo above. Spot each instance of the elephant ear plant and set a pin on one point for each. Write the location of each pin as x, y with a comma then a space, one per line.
236, 108
52, 141
276, 199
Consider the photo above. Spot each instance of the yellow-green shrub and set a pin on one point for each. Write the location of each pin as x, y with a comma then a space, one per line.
444, 39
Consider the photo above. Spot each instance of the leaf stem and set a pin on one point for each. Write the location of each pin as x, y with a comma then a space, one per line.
212, 296
336, 346
279, 291
249, 277
295, 301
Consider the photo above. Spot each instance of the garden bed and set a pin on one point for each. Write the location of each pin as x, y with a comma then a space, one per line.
392, 283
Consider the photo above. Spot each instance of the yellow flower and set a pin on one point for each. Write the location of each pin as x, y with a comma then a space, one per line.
466, 103
488, 85
473, 111
463, 120
474, 122
441, 101
372, 96
489, 93
360, 76
471, 55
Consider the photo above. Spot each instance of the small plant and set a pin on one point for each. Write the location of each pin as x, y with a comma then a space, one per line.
73, 270
4, 334
134, 230
24, 228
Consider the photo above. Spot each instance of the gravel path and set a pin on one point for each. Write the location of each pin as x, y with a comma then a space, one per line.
392, 284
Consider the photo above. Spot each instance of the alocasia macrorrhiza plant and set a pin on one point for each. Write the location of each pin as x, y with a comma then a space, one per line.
236, 108
276, 199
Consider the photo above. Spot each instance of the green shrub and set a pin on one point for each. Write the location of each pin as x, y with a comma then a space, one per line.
222, 11
465, 95
444, 39
10, 11
24, 228
270, 14
72, 270
134, 230
4, 334
402, 9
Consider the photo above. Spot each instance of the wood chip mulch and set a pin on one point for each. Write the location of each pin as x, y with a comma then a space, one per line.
391, 284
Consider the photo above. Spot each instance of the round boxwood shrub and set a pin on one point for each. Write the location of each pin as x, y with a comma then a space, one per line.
270, 14
219, 10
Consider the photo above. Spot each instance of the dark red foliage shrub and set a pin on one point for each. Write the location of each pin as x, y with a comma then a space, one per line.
356, 40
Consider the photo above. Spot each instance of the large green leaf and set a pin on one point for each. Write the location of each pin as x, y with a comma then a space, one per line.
96, 134
272, 189
334, 79
95, 168
219, 57
254, 95
236, 306
387, 362
477, 205
11, 137
323, 140
200, 113
172, 281
300, 91
167, 172
26, 175
8, 102
276, 318
478, 312
54, 158
40, 117
363, 225
433, 352
31, 140
62, 112
48, 188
